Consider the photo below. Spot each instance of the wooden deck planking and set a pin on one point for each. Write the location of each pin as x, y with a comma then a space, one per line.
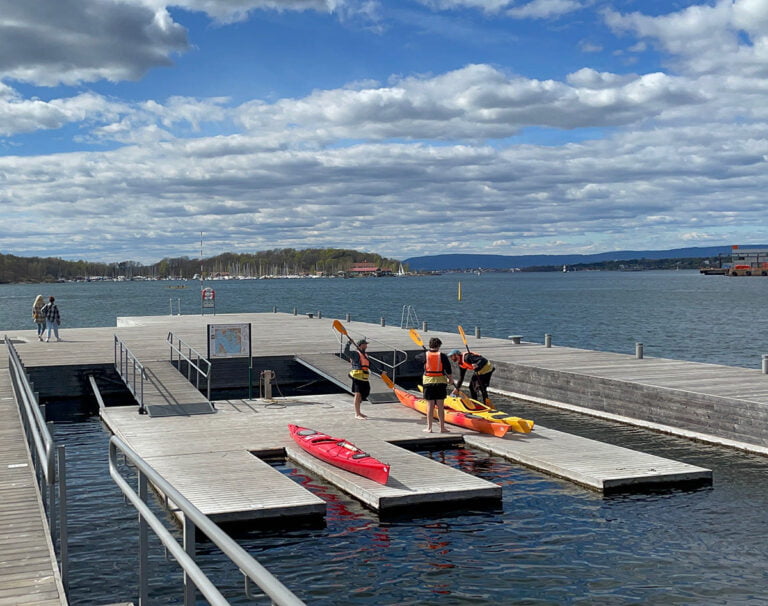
600, 466
413, 479
28, 568
168, 392
231, 486
284, 334
245, 427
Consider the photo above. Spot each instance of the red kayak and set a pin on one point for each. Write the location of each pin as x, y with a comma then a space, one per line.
462, 419
340, 453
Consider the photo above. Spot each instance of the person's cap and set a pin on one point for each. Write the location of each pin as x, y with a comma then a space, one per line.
455, 352
362, 342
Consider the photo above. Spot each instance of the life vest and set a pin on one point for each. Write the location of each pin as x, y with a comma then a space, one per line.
484, 369
360, 367
433, 369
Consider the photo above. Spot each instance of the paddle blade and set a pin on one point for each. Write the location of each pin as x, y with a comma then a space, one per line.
415, 337
465, 399
387, 381
340, 328
463, 337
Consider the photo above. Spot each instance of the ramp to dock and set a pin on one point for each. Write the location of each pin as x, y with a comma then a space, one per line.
596, 465
336, 370
169, 393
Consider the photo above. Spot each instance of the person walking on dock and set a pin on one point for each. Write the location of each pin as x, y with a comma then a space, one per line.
482, 370
37, 315
437, 375
52, 318
360, 372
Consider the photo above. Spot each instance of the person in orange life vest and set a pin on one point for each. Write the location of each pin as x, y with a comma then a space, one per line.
437, 375
360, 370
482, 370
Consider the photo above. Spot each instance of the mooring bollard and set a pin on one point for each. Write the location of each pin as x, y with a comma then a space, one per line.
547, 340
424, 327
639, 351
477, 332
295, 312
320, 315
765, 364
383, 323
348, 318
274, 309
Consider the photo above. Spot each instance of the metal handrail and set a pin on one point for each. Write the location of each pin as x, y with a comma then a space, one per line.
48, 460
406, 315
196, 363
395, 363
125, 361
184, 553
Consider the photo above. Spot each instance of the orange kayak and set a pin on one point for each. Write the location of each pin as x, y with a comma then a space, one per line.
340, 453
461, 419
489, 412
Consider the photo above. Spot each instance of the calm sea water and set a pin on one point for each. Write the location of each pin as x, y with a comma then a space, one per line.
675, 314
550, 542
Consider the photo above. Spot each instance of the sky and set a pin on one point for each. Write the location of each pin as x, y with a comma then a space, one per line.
137, 129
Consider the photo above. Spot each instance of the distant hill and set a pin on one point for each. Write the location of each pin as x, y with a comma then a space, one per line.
468, 261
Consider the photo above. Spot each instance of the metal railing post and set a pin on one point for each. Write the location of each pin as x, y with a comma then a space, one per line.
143, 545
194, 520
63, 527
189, 547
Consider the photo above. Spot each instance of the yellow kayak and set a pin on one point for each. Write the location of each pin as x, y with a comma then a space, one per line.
488, 412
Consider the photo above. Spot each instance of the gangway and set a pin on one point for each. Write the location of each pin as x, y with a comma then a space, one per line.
159, 388
336, 370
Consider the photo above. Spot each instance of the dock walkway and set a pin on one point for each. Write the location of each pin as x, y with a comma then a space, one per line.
28, 570
215, 457
168, 392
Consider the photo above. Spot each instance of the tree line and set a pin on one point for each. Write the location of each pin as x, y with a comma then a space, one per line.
278, 261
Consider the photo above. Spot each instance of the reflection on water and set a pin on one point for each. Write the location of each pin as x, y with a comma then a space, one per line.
551, 542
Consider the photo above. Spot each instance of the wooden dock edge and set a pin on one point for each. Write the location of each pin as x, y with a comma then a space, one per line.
657, 427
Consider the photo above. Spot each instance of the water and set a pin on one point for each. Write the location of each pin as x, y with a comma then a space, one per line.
550, 542
675, 314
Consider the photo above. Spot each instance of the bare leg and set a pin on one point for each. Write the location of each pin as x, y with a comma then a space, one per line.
358, 401
430, 414
441, 415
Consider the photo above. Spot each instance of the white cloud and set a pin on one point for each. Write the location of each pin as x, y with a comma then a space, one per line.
545, 9
476, 102
706, 39
72, 41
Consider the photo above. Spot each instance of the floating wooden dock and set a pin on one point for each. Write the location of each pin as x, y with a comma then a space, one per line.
29, 573
215, 458
218, 460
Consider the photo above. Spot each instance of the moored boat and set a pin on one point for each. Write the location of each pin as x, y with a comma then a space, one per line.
461, 419
339, 452
489, 412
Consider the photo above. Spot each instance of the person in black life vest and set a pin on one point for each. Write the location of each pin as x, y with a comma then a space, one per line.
360, 371
482, 370
437, 375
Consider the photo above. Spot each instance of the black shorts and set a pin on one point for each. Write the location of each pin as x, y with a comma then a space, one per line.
435, 391
361, 387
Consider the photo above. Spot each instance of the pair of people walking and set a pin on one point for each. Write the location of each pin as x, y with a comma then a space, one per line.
47, 317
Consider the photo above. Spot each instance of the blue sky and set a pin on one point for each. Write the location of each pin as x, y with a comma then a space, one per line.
403, 127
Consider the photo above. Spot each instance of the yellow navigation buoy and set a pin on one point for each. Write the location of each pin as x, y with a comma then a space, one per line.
459, 291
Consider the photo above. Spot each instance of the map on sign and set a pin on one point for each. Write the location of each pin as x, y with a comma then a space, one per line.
229, 340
